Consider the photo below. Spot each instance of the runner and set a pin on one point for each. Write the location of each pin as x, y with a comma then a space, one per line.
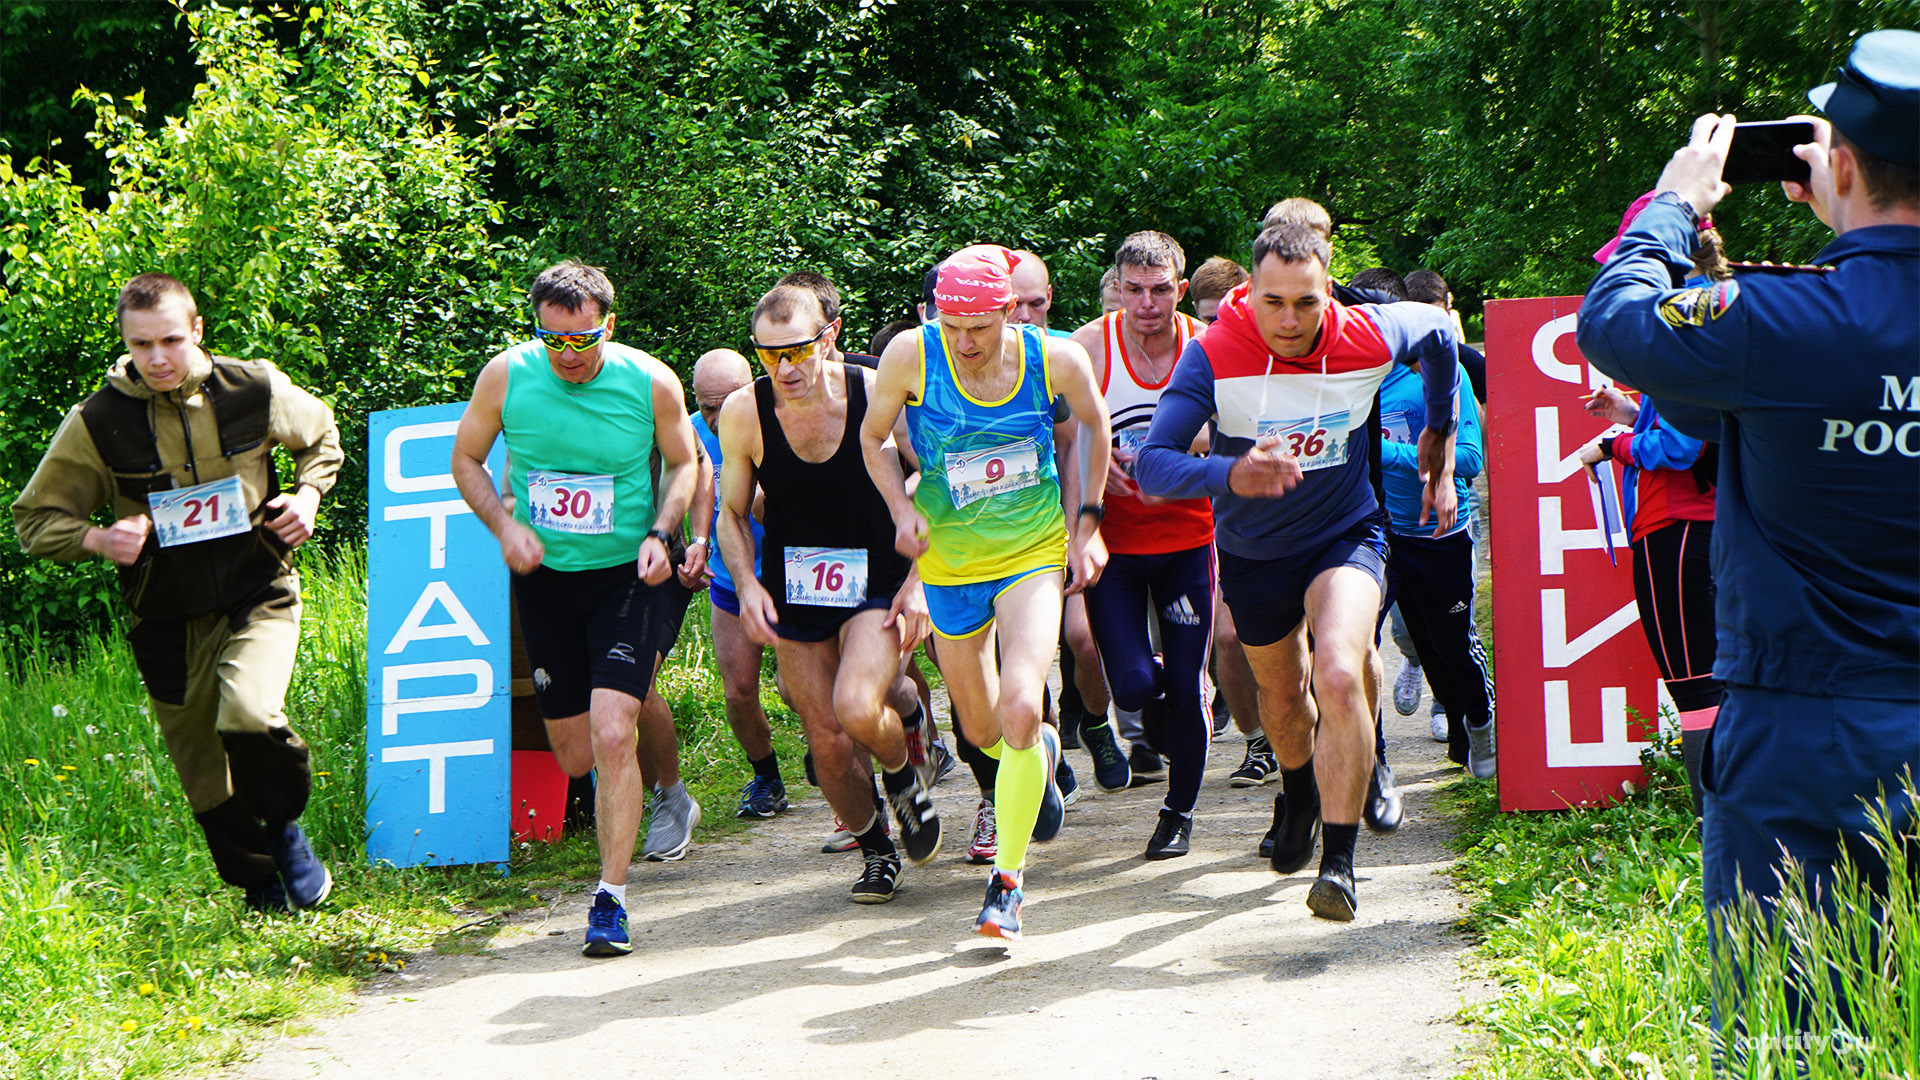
1287, 375
201, 542
1161, 551
842, 609
718, 373
987, 528
587, 538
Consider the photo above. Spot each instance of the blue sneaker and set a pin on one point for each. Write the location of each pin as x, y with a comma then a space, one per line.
762, 798
1068, 783
1000, 916
1110, 769
1053, 808
606, 927
306, 878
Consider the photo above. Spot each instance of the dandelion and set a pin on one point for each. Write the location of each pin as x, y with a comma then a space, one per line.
194, 1023
32, 761
70, 768
146, 989
91, 730
143, 710
128, 1025
1627, 788
59, 778
59, 710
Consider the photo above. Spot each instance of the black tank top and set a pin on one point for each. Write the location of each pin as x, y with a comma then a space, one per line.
832, 504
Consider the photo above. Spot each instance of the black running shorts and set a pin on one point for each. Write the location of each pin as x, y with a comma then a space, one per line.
587, 630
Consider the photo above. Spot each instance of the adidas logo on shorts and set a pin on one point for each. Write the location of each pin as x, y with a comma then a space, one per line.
1180, 613
1458, 607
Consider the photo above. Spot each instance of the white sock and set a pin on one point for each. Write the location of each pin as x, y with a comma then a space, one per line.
618, 892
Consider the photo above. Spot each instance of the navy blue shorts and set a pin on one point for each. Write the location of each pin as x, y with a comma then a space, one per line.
1268, 597
723, 598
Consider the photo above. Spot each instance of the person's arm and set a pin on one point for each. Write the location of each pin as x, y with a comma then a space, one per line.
51, 514
1474, 363
1072, 377
304, 425
1091, 339
693, 572
1163, 466
898, 378
1659, 446
1425, 334
472, 441
740, 450
1469, 448
679, 464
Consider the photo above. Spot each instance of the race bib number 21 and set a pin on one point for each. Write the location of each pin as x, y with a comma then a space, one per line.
206, 511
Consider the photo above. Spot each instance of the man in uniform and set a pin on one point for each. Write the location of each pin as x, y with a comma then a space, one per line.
986, 525
587, 536
1816, 540
179, 444
1288, 376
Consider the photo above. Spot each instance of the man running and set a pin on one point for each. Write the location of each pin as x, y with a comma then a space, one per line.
840, 606
202, 545
1161, 558
987, 528
1288, 376
587, 538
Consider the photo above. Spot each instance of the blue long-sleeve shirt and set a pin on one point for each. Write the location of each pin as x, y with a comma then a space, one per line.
1816, 377
1403, 413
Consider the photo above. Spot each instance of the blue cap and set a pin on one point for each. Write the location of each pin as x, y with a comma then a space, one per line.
1875, 102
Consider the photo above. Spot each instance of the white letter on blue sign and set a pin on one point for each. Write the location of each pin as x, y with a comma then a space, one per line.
462, 625
393, 706
436, 755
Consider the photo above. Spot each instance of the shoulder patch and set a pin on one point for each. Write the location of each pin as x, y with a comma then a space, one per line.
1700, 306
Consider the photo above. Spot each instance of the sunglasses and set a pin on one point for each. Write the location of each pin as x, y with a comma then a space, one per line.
797, 353
578, 341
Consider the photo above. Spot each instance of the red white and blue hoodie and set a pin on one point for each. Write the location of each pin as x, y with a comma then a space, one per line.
1319, 403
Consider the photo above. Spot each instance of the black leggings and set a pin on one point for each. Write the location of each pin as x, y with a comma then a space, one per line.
1433, 582
1673, 585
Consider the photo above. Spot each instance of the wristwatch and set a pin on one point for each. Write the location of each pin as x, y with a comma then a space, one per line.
657, 533
1099, 512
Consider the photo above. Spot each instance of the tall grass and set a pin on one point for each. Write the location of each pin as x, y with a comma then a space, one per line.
121, 951
1592, 925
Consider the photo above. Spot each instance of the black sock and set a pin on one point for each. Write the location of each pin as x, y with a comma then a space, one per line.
1298, 786
766, 768
1090, 720
900, 781
875, 840
879, 802
1336, 848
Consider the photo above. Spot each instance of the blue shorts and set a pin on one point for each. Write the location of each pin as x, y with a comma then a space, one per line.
964, 610
1268, 597
723, 598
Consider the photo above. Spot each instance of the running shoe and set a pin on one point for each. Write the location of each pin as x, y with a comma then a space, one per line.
943, 761
1332, 895
879, 878
842, 838
1068, 783
1110, 771
1000, 915
606, 927
1259, 767
268, 899
920, 755
1145, 765
1480, 760
1070, 724
307, 879
919, 824
1170, 836
1384, 808
762, 798
1406, 688
1292, 835
1053, 809
672, 815
986, 838
1437, 723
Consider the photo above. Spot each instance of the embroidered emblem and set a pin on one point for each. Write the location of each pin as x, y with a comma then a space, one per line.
1698, 307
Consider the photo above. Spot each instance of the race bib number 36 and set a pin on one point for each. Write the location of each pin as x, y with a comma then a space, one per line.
206, 511
1315, 444
997, 470
563, 502
826, 577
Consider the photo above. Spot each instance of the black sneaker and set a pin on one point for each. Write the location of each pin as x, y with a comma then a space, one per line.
1293, 835
1384, 809
762, 798
1259, 767
1170, 836
1110, 771
919, 825
1332, 896
879, 878
1145, 765
1070, 729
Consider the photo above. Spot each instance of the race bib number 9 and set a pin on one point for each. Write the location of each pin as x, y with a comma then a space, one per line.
206, 511
1315, 444
826, 577
563, 502
998, 470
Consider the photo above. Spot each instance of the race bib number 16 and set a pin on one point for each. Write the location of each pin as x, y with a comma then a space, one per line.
206, 511
563, 502
1315, 443
826, 577
997, 470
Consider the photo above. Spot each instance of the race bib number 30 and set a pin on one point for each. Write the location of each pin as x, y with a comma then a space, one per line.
563, 502
997, 470
826, 577
206, 511
1315, 444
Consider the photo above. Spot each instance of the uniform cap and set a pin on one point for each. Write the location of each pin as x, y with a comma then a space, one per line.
975, 280
1875, 100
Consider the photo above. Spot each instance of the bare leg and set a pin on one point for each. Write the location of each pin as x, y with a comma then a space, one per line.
739, 661
1236, 678
1342, 605
612, 718
1088, 677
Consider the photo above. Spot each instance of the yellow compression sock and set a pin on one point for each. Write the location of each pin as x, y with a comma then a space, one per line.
1017, 792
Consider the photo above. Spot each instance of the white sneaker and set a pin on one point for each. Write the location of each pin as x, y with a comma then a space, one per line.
1437, 723
1406, 689
1480, 760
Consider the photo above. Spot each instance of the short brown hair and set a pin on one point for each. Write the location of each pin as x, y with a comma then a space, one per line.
1215, 278
1299, 211
1291, 243
145, 292
783, 303
822, 288
1149, 248
571, 285
1427, 287
1888, 184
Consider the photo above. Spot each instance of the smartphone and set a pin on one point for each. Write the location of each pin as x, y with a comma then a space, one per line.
1763, 152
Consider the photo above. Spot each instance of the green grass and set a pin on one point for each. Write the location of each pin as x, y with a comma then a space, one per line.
1591, 923
124, 954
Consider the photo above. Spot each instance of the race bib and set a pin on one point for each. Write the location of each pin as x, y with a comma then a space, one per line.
827, 577
1397, 427
995, 471
206, 511
563, 502
1130, 439
1314, 444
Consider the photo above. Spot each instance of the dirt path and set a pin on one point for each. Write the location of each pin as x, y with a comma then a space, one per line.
750, 962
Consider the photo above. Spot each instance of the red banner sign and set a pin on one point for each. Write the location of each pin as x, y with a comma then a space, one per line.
1579, 695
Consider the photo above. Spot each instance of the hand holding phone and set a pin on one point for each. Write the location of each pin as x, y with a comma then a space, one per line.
1763, 152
